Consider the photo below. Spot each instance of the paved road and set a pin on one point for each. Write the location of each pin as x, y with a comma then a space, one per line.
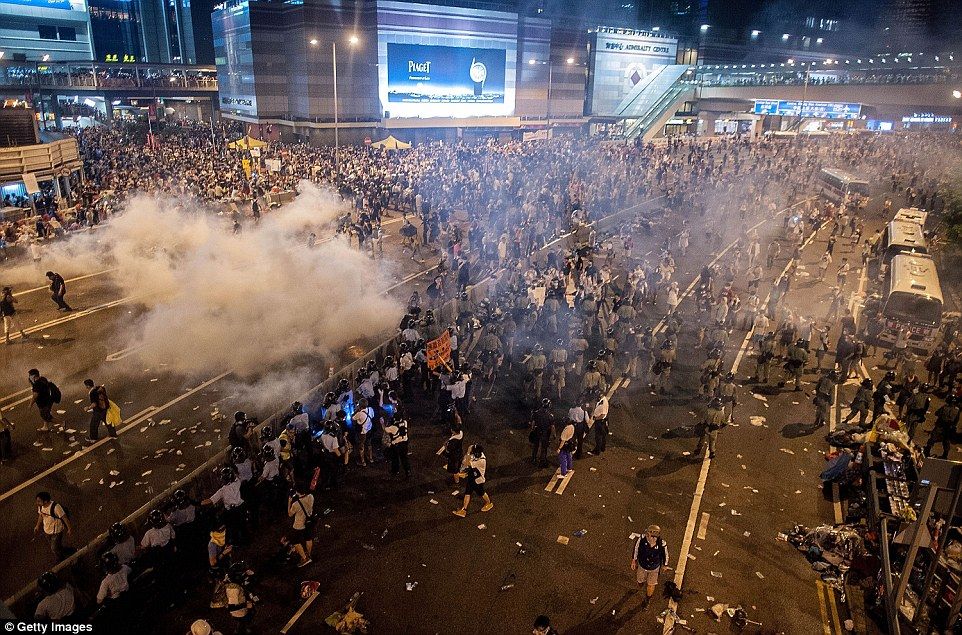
382, 534
172, 423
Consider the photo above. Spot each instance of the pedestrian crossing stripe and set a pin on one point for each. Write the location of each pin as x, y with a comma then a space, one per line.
561, 482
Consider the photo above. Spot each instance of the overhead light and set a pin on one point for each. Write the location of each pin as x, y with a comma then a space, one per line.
791, 61
353, 39
819, 40
656, 28
785, 37
704, 28
957, 94
570, 60
756, 33
314, 41
46, 58
532, 61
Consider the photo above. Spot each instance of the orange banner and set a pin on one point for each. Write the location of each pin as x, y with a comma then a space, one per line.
439, 351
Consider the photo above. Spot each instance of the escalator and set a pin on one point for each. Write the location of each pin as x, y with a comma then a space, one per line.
654, 100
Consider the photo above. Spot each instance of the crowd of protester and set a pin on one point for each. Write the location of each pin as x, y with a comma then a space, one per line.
564, 321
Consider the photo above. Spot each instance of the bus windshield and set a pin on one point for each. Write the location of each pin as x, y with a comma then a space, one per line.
910, 307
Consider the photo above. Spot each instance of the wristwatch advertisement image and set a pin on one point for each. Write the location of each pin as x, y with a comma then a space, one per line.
478, 73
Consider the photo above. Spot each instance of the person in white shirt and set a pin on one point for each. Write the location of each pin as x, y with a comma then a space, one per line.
600, 417
59, 600
114, 584
473, 469
566, 447
52, 518
364, 421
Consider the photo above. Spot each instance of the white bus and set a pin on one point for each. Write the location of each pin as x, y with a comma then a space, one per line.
912, 300
912, 215
902, 237
837, 184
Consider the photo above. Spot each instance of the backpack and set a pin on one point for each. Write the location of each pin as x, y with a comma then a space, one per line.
55, 393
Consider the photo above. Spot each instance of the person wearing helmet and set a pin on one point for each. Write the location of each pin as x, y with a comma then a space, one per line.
160, 535
395, 443
300, 421
764, 357
946, 421
715, 419
542, 425
663, 366
579, 348
592, 379
229, 495
558, 358
59, 599
534, 368
795, 364
332, 455
729, 394
363, 423
122, 543
473, 469
271, 471
391, 373
599, 415
183, 511
917, 407
114, 584
861, 402
237, 436
883, 394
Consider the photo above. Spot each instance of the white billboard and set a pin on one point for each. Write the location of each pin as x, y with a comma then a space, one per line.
621, 59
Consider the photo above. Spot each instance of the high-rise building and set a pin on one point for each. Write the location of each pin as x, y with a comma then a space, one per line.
160, 31
44, 29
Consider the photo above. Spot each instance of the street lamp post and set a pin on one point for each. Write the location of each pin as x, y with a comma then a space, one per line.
808, 72
337, 145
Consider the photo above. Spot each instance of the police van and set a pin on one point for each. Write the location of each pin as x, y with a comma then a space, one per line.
902, 237
912, 215
912, 299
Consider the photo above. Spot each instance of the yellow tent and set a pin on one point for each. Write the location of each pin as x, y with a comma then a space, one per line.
391, 143
246, 143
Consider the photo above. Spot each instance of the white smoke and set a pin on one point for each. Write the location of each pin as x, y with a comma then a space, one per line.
259, 303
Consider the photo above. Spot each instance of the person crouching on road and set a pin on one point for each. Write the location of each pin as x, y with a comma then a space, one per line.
473, 469
649, 556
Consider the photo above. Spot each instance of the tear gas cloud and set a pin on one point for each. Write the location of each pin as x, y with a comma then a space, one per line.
256, 302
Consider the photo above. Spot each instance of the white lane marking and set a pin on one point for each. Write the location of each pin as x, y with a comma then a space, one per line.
833, 422
73, 315
14, 395
144, 414
84, 277
408, 279
703, 525
706, 461
300, 611
691, 287
11, 406
125, 352
564, 482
